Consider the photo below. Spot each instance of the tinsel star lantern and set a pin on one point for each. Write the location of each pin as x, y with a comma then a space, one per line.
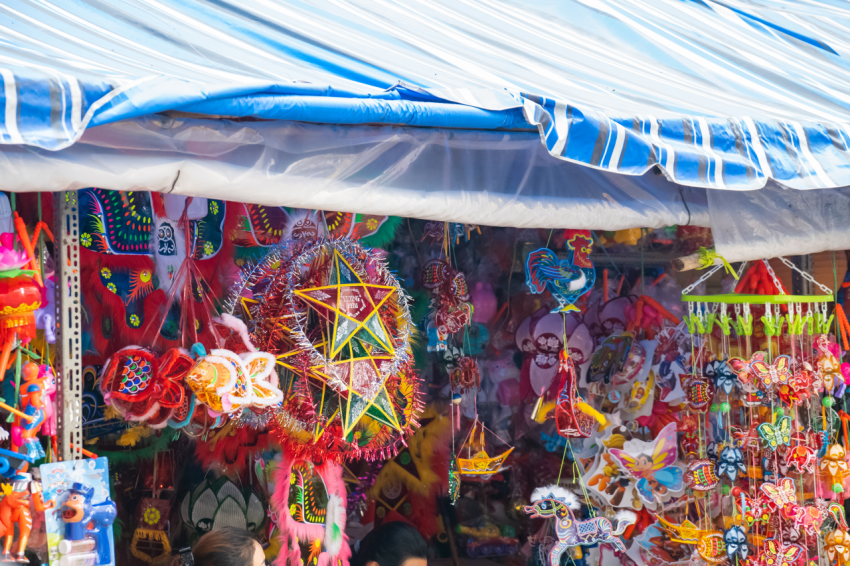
338, 323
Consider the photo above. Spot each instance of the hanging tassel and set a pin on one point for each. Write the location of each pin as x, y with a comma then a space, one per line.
843, 325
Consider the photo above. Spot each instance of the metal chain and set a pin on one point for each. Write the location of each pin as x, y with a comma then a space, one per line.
805, 275
687, 290
741, 270
773, 275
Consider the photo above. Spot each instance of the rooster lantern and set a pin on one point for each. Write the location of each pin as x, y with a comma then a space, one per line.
567, 279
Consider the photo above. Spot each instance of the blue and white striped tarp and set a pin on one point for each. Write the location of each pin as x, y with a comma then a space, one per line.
720, 94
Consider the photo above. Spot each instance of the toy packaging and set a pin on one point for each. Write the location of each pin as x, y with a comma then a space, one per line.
79, 524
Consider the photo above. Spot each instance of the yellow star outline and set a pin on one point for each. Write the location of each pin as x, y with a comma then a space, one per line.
336, 348
385, 408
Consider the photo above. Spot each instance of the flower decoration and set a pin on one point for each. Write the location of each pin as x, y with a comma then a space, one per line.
134, 320
731, 462
85, 239
213, 207
105, 273
151, 515
112, 287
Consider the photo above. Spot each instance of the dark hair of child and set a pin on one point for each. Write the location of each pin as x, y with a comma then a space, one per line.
390, 545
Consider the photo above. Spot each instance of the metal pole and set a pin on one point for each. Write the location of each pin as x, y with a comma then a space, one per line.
69, 378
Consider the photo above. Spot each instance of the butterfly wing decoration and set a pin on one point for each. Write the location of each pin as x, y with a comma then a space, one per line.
777, 433
660, 477
761, 370
781, 555
260, 367
736, 543
782, 493
781, 369
741, 368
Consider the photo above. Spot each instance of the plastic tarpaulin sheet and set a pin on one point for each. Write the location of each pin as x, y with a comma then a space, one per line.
719, 94
776, 222
491, 178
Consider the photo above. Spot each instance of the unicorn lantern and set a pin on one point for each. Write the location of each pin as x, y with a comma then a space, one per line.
558, 503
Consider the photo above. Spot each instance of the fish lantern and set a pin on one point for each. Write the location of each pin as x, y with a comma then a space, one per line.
21, 293
701, 475
700, 391
712, 548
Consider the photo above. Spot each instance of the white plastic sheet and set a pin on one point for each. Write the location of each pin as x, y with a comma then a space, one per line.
490, 178
776, 222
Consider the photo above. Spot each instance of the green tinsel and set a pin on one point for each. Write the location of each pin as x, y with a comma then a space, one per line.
133, 454
384, 235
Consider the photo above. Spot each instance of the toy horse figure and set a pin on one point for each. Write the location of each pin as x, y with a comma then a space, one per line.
557, 502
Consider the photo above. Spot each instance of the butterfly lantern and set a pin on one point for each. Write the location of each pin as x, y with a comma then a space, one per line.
835, 466
779, 494
652, 464
227, 382
761, 374
736, 543
776, 434
730, 463
838, 547
777, 554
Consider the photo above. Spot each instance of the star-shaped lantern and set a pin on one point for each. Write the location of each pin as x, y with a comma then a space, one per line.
360, 346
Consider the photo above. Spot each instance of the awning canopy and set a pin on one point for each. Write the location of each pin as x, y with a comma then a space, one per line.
718, 94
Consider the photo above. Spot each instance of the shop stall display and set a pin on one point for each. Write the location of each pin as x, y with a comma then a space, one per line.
526, 396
